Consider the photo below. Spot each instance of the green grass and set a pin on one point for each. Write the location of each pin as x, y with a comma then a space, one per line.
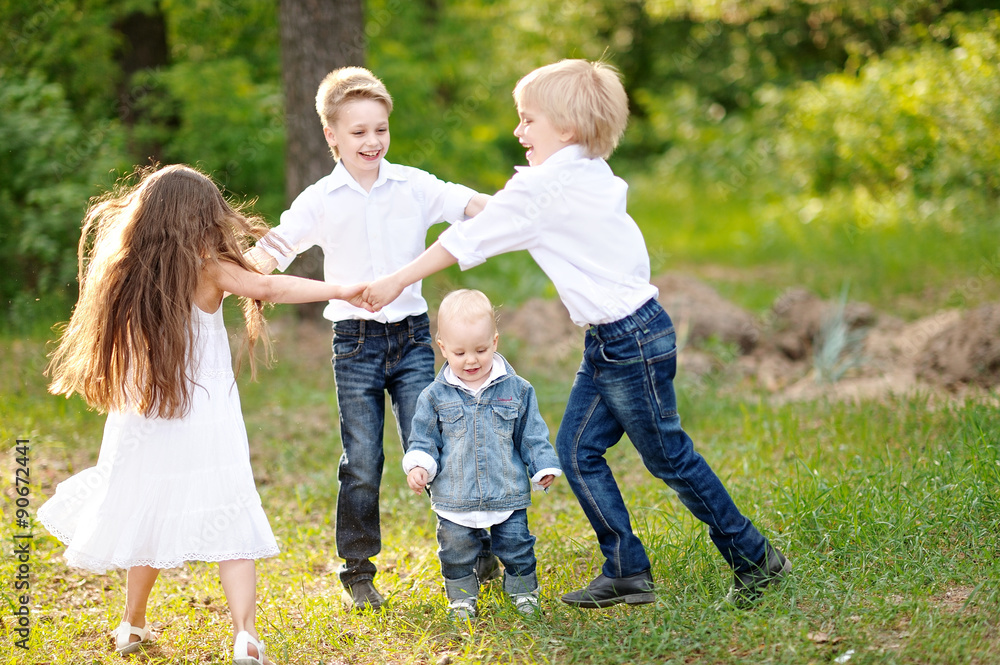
888, 511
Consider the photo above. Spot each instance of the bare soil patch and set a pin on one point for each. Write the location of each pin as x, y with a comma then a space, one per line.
803, 347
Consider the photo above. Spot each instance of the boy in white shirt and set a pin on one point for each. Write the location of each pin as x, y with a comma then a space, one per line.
370, 217
568, 211
478, 444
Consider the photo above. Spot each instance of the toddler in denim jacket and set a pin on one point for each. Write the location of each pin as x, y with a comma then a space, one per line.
479, 445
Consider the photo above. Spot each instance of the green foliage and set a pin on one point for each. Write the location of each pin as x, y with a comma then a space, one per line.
48, 170
68, 43
921, 120
759, 130
895, 161
238, 130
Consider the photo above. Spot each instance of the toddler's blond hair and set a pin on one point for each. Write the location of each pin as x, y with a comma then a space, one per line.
586, 98
465, 305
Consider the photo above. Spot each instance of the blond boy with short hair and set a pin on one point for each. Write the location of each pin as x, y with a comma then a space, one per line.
370, 217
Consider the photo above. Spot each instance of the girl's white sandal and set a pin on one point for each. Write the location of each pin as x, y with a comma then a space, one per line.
240, 654
123, 636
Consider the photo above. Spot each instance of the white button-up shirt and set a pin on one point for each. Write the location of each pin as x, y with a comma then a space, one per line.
569, 213
366, 235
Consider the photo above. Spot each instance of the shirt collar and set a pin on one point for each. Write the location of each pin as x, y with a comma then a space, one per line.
569, 153
340, 177
499, 369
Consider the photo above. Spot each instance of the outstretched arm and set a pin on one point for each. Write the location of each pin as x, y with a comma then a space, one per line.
384, 290
232, 278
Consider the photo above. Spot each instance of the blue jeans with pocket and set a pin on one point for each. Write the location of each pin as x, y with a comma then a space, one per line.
370, 359
625, 386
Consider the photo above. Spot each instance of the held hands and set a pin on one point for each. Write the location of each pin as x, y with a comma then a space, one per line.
354, 294
380, 293
417, 479
370, 296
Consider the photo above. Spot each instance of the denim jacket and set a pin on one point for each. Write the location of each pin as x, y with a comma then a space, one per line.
486, 447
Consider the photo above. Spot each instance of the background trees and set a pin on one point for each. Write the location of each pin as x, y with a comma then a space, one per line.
792, 111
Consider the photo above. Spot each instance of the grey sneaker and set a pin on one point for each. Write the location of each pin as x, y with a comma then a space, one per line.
748, 586
527, 603
462, 609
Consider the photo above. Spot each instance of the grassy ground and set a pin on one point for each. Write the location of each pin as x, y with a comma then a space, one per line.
888, 509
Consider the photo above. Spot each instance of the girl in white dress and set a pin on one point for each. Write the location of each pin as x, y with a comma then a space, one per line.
147, 344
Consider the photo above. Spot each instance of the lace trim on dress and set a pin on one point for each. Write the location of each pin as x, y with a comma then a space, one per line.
100, 565
93, 565
58, 533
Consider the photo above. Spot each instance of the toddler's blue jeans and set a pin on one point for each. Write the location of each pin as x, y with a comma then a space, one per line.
513, 544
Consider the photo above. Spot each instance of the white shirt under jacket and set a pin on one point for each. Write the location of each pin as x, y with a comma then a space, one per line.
569, 213
366, 235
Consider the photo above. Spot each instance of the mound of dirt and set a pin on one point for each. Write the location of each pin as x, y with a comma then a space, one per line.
543, 328
699, 313
965, 352
804, 347
798, 319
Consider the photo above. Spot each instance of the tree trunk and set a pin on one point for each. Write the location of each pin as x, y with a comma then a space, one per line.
143, 49
317, 36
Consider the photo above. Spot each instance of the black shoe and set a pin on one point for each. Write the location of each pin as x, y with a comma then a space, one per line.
487, 568
364, 596
607, 591
748, 586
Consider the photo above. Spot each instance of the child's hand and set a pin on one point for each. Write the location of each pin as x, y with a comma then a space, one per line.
355, 294
381, 292
546, 481
417, 479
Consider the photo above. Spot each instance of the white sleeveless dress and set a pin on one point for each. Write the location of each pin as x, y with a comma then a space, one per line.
167, 491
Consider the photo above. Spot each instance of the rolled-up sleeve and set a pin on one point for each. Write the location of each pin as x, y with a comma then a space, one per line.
509, 222
414, 458
297, 230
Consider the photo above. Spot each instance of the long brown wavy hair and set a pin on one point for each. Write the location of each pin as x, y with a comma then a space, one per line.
141, 253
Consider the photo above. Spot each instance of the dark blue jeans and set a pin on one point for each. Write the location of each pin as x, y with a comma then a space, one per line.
513, 544
625, 386
369, 359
